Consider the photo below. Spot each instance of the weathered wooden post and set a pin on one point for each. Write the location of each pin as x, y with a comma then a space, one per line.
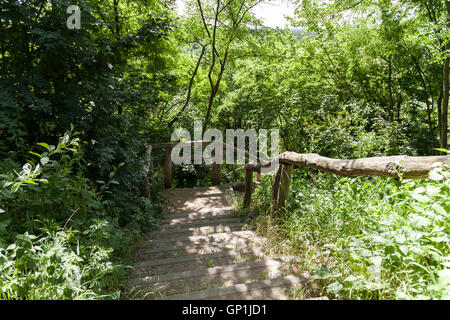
168, 168
215, 171
215, 174
280, 187
147, 167
275, 189
248, 187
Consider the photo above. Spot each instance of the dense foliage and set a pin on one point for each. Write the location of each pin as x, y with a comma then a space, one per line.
367, 238
348, 79
60, 235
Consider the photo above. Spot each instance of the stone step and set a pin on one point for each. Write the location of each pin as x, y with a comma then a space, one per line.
217, 277
198, 261
217, 238
273, 289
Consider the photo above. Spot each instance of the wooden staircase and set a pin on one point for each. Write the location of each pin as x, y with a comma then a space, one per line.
203, 250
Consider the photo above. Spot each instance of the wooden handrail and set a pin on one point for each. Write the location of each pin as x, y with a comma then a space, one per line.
392, 166
400, 166
215, 166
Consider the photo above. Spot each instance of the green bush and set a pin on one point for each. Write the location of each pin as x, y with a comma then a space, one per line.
60, 237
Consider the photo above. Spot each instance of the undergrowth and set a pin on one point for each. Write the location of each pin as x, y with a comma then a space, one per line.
365, 238
60, 236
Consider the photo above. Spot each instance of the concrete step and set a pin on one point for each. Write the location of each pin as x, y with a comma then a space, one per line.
217, 277
198, 261
217, 238
273, 289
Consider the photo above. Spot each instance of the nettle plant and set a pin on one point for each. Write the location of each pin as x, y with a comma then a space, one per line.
366, 237
31, 170
402, 251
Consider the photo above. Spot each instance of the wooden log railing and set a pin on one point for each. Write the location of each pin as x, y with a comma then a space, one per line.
216, 167
168, 146
392, 166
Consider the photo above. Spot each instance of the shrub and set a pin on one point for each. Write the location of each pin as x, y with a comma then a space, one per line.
60, 237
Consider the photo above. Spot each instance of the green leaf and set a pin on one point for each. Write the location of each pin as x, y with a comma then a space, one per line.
377, 260
365, 253
435, 175
45, 160
418, 221
439, 209
34, 153
335, 287
420, 198
442, 150
419, 190
65, 139
444, 277
43, 144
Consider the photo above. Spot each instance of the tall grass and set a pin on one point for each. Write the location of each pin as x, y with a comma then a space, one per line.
366, 238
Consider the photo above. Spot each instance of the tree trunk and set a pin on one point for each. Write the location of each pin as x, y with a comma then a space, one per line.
214, 90
116, 18
445, 88
391, 97
439, 110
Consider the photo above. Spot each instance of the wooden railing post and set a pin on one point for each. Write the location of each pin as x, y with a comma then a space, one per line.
215, 171
280, 187
147, 167
215, 174
248, 187
168, 168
